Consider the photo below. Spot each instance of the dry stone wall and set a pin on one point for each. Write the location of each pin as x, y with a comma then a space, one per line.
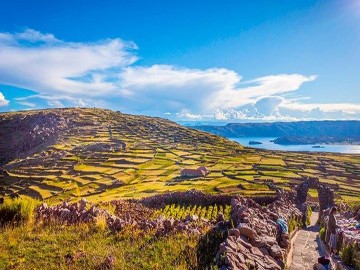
325, 193
256, 242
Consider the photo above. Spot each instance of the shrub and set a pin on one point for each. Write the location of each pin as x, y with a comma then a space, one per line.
308, 216
293, 223
17, 210
208, 246
100, 222
346, 254
349, 254
356, 257
322, 233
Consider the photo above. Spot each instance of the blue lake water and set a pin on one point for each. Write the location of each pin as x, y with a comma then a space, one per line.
267, 144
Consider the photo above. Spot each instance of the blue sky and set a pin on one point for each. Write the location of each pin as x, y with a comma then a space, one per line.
184, 60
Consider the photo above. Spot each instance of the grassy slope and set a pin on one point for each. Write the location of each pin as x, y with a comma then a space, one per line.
156, 151
28, 247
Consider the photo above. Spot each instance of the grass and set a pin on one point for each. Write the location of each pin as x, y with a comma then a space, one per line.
46, 247
19, 210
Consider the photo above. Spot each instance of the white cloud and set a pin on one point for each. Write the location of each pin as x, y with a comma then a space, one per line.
27, 104
52, 66
103, 74
173, 89
234, 97
29, 35
203, 92
3, 101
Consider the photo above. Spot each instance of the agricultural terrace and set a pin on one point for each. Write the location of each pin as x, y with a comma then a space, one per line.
104, 155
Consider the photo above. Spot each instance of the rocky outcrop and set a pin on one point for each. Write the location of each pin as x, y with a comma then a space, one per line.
33, 132
101, 147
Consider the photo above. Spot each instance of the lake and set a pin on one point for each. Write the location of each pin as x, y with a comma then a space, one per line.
267, 144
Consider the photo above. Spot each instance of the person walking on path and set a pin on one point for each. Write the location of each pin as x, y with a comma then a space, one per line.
331, 236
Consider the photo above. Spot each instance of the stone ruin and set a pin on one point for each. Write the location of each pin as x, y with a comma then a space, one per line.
101, 147
325, 193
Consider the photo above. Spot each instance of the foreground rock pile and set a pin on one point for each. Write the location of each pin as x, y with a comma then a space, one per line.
256, 242
138, 217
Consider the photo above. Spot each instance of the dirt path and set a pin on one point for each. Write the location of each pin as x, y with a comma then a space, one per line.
306, 248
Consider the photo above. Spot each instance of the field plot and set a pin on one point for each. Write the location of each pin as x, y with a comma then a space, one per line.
104, 155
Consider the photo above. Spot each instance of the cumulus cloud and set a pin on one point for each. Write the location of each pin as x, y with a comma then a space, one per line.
216, 92
49, 65
104, 74
3, 101
173, 89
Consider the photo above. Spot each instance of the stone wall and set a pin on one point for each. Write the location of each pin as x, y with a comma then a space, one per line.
195, 197
325, 193
256, 242
191, 197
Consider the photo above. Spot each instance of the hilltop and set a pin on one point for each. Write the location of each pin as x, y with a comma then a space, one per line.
103, 155
47, 152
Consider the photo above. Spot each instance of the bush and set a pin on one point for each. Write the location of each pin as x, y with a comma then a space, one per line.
322, 233
308, 216
100, 222
208, 247
349, 254
18, 210
293, 223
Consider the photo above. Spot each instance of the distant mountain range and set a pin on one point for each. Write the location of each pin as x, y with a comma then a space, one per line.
302, 132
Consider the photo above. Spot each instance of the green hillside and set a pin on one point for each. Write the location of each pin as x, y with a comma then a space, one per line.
104, 155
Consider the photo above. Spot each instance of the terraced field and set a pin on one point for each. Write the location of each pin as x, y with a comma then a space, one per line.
104, 155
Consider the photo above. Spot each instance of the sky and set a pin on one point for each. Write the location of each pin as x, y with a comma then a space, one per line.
184, 60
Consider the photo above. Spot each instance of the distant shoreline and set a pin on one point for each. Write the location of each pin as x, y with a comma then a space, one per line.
316, 140
268, 144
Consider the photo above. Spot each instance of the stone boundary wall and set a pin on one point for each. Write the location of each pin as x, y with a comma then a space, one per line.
195, 197
256, 242
192, 197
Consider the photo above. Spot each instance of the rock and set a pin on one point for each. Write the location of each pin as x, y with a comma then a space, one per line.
231, 243
256, 251
264, 251
319, 266
259, 243
275, 251
247, 231
234, 232
191, 218
169, 224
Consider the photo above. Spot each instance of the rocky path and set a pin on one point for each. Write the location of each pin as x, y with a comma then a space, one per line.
306, 248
